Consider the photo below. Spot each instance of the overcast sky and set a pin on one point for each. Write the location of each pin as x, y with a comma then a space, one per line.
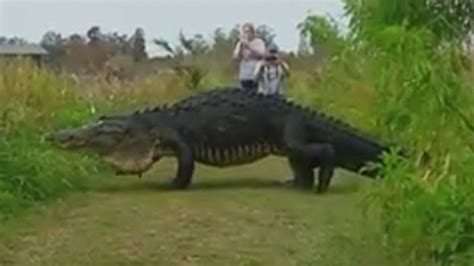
30, 19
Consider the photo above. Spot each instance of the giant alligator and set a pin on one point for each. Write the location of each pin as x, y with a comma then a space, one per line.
225, 127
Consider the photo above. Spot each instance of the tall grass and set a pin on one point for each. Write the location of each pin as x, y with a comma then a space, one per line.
406, 90
34, 102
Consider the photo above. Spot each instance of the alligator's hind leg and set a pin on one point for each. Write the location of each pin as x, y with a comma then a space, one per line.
304, 156
303, 175
325, 159
309, 156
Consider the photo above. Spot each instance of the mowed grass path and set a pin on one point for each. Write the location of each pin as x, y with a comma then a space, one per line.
232, 216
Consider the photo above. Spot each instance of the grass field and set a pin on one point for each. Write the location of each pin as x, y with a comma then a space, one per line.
234, 216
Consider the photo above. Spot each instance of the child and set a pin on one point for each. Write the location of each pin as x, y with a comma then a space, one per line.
271, 72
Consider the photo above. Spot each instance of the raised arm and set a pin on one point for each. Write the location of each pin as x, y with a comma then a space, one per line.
258, 71
237, 54
285, 67
259, 50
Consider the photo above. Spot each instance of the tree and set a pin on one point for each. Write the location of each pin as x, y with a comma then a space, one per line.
51, 39
220, 41
196, 45
304, 46
165, 45
223, 43
323, 35
76, 39
117, 44
94, 34
234, 34
447, 20
265, 33
13, 41
138, 45
53, 43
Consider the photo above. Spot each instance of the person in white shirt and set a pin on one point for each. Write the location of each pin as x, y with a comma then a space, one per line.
271, 72
249, 50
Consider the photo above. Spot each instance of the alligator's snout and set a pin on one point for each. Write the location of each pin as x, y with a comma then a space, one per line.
49, 137
57, 136
64, 139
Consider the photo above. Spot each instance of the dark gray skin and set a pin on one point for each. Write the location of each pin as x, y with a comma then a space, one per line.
227, 127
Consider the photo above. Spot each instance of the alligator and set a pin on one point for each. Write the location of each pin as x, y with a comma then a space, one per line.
227, 126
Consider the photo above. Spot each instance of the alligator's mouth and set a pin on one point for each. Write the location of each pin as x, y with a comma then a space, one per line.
126, 155
67, 139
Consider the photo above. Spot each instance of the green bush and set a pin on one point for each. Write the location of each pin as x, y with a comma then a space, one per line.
32, 103
36, 101
422, 99
405, 89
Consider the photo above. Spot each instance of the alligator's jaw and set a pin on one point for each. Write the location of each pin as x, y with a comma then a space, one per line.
67, 139
130, 163
126, 154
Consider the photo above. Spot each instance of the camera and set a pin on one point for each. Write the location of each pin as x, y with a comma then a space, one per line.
271, 57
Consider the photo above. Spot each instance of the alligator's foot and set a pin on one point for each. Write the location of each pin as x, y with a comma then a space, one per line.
120, 173
177, 184
322, 189
288, 182
172, 186
294, 184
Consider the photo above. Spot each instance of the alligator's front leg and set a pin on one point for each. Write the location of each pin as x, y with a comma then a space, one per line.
185, 158
185, 166
325, 157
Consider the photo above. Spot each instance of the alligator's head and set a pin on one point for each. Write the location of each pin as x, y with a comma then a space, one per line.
124, 143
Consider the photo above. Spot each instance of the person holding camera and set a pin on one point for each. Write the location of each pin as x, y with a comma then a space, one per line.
249, 50
271, 72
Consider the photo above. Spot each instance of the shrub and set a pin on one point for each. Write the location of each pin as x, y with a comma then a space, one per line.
34, 102
409, 91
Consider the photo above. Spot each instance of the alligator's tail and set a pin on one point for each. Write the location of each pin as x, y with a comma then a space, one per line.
354, 150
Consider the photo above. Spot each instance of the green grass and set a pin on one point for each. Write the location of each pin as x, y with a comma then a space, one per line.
33, 103
233, 216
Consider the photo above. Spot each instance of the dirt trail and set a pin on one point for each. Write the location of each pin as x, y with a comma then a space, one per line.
237, 216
